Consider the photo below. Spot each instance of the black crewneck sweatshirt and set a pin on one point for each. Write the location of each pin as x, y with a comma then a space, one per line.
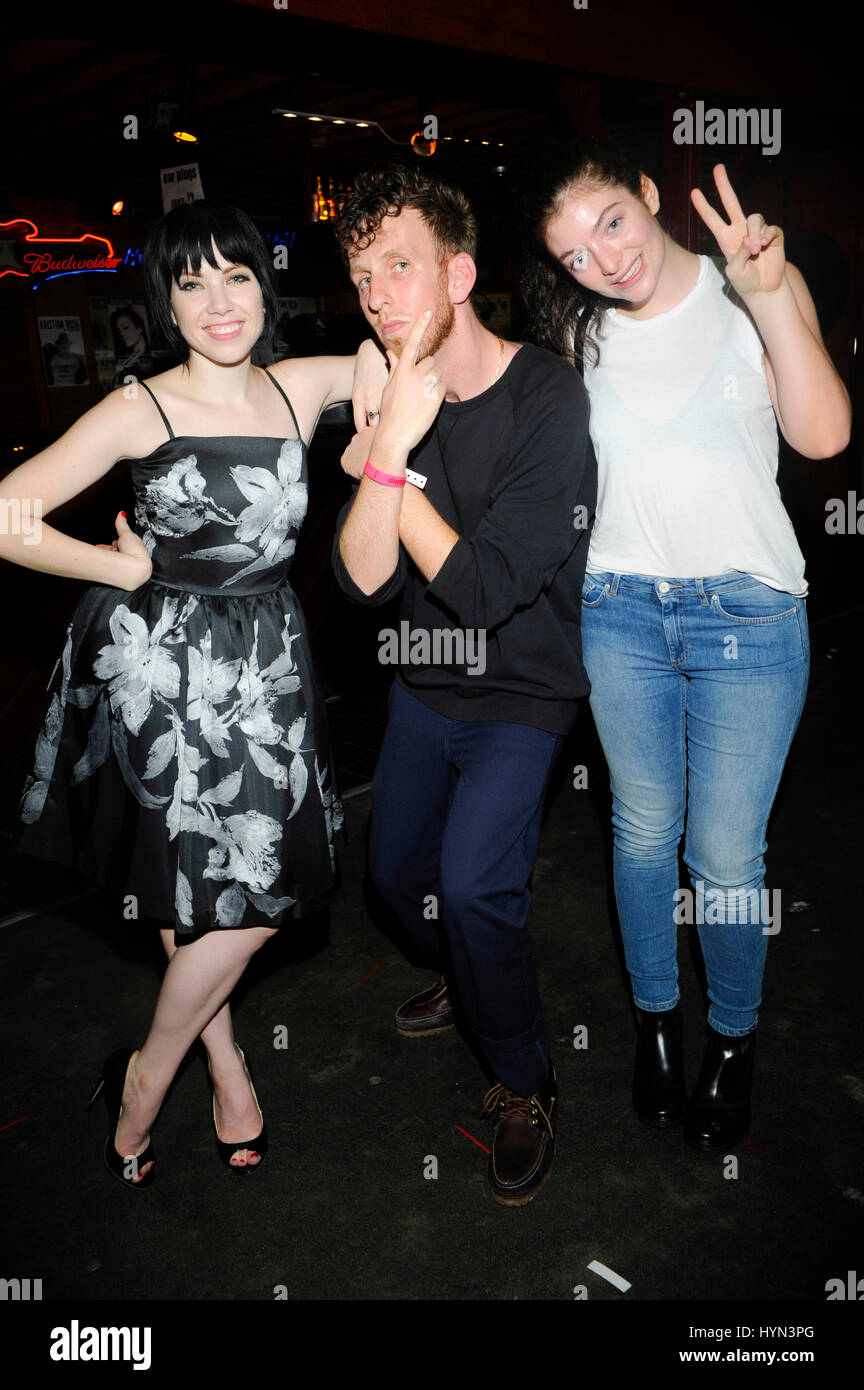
513, 472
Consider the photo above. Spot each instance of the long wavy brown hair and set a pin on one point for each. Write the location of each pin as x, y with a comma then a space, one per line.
561, 314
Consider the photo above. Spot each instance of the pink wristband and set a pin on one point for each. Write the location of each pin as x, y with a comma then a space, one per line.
388, 479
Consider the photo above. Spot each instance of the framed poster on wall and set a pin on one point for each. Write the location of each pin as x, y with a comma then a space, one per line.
63, 358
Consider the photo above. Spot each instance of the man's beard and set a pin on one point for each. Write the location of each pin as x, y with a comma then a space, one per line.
440, 325
440, 328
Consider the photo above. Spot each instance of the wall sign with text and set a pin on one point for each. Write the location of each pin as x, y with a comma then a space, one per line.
180, 185
29, 256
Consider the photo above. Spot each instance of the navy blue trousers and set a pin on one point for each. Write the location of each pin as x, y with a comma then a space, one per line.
455, 826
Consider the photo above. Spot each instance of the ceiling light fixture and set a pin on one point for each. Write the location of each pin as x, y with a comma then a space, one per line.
346, 120
420, 145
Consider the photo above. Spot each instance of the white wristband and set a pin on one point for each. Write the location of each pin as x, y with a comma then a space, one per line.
416, 478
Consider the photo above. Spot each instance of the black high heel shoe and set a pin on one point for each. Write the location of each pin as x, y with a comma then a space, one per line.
258, 1145
718, 1115
659, 1093
112, 1081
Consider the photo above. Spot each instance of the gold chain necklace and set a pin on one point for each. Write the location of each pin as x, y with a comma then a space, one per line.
500, 359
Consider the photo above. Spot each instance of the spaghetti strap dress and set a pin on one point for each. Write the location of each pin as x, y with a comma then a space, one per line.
184, 756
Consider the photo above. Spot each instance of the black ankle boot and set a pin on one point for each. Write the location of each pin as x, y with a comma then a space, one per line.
659, 1094
718, 1115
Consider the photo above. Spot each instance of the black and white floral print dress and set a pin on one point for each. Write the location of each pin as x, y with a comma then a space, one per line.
184, 754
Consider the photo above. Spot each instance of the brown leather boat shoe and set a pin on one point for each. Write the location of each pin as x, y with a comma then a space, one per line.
430, 1011
524, 1144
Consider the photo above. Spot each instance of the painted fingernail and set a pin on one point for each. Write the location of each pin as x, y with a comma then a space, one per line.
123, 514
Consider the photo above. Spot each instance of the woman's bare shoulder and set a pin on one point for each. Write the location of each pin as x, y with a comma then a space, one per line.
300, 374
130, 410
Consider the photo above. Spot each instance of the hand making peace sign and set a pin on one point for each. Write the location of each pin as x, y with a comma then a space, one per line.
755, 259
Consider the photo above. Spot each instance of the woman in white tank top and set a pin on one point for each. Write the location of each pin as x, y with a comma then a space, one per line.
693, 622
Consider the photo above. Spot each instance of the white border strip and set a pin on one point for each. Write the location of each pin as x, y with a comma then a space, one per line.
609, 1275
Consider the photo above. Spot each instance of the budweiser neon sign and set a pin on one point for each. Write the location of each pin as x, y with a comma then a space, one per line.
53, 256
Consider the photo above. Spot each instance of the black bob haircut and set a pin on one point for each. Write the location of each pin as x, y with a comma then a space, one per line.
183, 238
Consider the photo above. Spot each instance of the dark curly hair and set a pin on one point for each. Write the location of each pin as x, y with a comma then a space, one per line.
561, 314
383, 192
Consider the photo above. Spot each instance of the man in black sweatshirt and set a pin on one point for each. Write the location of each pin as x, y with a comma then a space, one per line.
477, 489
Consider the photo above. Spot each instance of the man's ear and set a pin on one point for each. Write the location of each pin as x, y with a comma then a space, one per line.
461, 277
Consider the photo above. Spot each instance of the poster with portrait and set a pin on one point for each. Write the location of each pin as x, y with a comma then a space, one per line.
130, 339
103, 344
63, 358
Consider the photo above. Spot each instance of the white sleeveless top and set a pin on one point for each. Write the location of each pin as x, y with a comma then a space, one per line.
686, 444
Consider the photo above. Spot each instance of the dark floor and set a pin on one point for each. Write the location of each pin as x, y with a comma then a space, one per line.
342, 1209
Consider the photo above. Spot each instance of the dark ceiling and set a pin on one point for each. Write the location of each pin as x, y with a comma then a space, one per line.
229, 66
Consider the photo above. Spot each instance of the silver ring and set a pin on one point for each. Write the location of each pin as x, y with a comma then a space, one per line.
371, 414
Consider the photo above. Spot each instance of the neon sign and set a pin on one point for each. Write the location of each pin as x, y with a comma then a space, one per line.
280, 238
50, 262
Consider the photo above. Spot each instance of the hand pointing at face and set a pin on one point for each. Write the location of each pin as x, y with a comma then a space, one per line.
413, 394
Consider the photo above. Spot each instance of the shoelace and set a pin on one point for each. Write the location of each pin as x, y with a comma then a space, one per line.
511, 1105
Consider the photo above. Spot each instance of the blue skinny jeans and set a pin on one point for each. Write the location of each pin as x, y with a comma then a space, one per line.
697, 689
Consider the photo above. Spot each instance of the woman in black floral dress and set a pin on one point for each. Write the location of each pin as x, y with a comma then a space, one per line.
184, 753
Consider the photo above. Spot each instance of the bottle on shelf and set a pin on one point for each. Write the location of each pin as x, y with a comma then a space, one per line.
321, 209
